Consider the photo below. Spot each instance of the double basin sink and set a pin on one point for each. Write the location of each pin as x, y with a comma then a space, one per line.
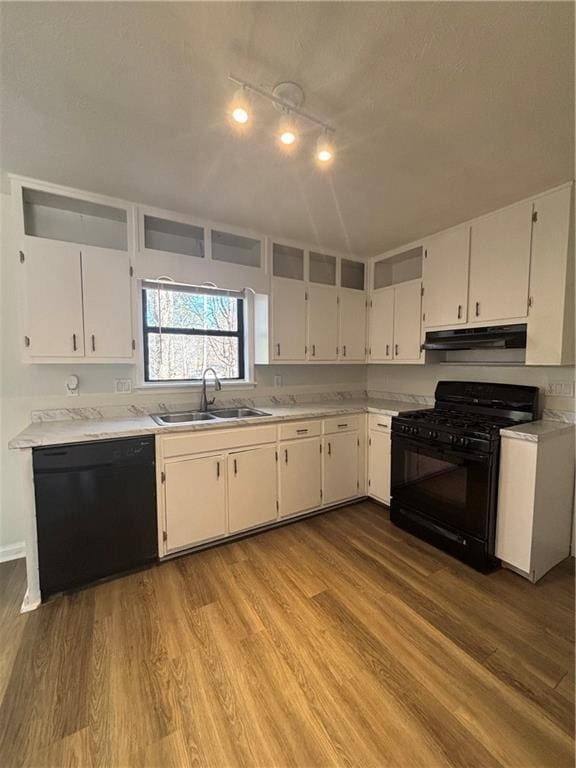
189, 417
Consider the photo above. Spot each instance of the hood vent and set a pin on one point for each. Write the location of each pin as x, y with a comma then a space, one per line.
491, 337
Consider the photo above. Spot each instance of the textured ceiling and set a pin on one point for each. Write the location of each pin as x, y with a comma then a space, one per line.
443, 110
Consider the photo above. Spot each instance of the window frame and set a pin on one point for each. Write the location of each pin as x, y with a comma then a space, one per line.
239, 333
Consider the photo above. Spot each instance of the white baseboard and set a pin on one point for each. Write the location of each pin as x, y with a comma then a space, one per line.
12, 552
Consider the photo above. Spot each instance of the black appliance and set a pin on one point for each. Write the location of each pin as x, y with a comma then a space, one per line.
444, 480
492, 337
95, 510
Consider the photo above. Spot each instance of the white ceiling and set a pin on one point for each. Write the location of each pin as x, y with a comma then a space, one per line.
443, 110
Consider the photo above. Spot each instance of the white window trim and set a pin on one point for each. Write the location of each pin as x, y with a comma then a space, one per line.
248, 382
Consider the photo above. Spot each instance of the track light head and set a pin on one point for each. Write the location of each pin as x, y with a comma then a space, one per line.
325, 149
240, 111
287, 131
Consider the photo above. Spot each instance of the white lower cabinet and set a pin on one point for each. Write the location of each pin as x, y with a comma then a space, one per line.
194, 500
300, 476
252, 488
340, 452
379, 455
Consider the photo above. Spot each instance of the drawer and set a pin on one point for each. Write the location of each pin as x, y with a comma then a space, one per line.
378, 423
295, 429
342, 424
216, 440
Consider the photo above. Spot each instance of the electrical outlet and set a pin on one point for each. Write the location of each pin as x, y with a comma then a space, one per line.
560, 389
122, 386
277, 381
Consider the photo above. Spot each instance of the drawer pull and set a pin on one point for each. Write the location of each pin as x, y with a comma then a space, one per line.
378, 424
301, 431
342, 425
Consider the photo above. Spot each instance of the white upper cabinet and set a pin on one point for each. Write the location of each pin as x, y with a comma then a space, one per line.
551, 312
445, 278
500, 265
352, 345
322, 323
107, 303
407, 304
53, 324
381, 342
288, 319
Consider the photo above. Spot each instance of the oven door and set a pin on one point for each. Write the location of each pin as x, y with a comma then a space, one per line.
452, 487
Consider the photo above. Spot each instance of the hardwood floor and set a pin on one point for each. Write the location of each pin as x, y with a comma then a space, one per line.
338, 640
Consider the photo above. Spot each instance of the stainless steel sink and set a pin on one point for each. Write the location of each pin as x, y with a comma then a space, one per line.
182, 418
237, 413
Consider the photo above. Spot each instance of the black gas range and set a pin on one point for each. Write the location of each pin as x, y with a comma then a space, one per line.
444, 480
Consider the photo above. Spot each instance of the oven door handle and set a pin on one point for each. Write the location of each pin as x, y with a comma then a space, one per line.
442, 451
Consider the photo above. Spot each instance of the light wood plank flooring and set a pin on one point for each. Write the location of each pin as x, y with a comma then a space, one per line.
337, 640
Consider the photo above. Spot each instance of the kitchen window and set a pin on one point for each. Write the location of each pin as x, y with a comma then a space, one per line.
187, 329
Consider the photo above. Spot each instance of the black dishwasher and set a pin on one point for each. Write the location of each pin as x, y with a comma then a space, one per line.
95, 510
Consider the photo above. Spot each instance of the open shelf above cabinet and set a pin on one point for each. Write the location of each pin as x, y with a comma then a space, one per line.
352, 274
399, 268
72, 220
236, 249
173, 237
287, 261
322, 268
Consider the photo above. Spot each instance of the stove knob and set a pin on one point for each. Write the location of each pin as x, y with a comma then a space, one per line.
415, 430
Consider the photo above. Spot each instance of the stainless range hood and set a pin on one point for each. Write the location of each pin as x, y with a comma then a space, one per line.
490, 337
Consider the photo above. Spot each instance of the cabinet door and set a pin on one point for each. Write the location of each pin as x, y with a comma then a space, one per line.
382, 325
195, 501
500, 265
551, 314
289, 319
252, 488
352, 325
407, 307
445, 278
107, 305
340, 467
300, 476
54, 300
379, 444
322, 323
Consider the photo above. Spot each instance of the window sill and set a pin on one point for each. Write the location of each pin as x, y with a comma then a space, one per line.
179, 386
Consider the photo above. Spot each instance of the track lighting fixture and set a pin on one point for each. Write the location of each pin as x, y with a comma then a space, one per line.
287, 98
240, 107
324, 149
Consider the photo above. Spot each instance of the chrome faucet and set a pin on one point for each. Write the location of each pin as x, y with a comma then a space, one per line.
204, 402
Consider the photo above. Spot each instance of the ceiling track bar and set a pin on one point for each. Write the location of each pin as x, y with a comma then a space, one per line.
281, 103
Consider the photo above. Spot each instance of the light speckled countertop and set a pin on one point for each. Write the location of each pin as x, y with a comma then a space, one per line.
44, 433
536, 431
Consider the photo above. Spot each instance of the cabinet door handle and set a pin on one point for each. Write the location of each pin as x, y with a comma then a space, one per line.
329, 449
286, 455
74, 345
278, 349
459, 311
93, 343
395, 349
387, 349
235, 467
477, 309
313, 350
344, 350
218, 469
